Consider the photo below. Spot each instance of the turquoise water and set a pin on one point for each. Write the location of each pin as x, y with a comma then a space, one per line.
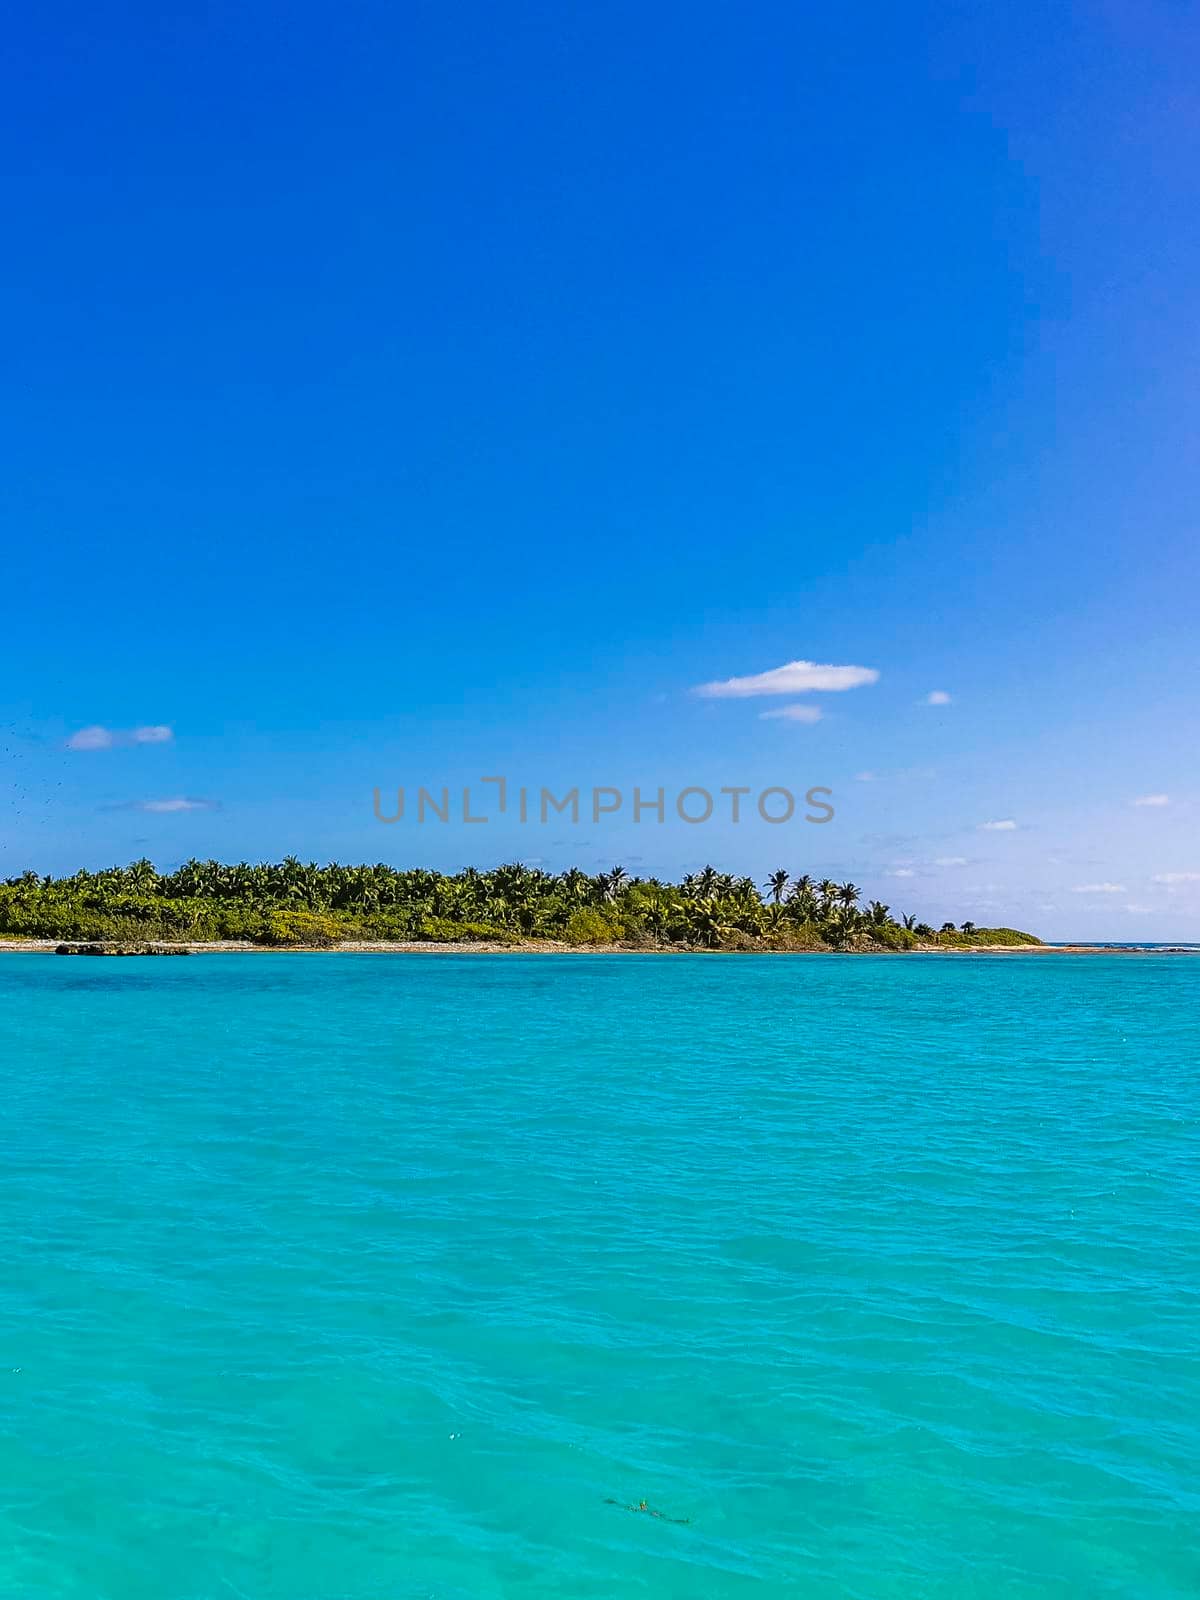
344, 1276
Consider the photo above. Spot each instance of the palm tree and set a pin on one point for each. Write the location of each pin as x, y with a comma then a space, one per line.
654, 915
191, 881
777, 883
847, 895
910, 922
610, 883
839, 927
706, 924
968, 928
827, 890
803, 900
705, 882
290, 875
878, 913
141, 876
575, 884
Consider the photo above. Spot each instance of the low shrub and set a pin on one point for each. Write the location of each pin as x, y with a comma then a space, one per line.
301, 928
586, 925
441, 930
390, 925
958, 940
242, 923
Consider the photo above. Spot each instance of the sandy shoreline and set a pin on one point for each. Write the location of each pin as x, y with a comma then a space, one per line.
552, 947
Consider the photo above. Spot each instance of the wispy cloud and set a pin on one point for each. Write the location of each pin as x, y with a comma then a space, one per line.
1005, 825
1176, 877
950, 861
900, 872
1153, 800
96, 737
179, 802
796, 677
793, 714
897, 775
937, 697
1099, 888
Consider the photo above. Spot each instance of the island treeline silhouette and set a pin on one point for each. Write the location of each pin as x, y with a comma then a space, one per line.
293, 903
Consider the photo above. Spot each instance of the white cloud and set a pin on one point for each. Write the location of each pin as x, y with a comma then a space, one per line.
796, 677
1099, 888
1177, 877
1005, 825
937, 697
93, 738
901, 872
950, 861
96, 737
793, 714
1153, 800
864, 777
1140, 911
176, 803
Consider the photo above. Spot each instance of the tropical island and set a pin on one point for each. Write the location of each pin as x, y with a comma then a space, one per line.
296, 905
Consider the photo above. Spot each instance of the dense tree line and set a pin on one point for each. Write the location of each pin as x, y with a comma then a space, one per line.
293, 902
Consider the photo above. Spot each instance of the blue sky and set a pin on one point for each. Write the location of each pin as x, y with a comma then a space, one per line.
414, 393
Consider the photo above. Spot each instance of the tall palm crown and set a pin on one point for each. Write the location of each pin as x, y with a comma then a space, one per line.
777, 883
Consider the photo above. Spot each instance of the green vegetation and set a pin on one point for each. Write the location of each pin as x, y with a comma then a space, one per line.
294, 904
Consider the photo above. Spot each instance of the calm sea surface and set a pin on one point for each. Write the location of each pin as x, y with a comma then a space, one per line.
380, 1276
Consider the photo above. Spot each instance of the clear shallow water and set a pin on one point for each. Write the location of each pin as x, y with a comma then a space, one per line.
350, 1276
